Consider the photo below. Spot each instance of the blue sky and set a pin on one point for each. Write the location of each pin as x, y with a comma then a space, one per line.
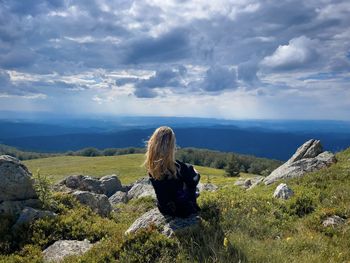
236, 59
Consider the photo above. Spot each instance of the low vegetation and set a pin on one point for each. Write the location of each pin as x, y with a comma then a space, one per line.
237, 226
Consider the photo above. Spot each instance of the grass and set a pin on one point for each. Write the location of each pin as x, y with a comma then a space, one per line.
238, 226
127, 167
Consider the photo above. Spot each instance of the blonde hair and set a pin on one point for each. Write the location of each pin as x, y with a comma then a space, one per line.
160, 155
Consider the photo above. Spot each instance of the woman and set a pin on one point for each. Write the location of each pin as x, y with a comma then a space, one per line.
174, 182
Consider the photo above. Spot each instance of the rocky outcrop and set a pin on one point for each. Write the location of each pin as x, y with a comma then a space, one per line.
98, 203
308, 158
107, 185
283, 191
63, 248
168, 225
207, 187
118, 197
29, 215
16, 182
141, 188
333, 221
16, 187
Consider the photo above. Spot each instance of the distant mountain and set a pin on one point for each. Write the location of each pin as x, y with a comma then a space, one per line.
259, 142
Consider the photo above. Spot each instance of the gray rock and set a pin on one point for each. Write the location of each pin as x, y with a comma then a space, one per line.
99, 203
83, 183
15, 207
308, 158
16, 180
333, 221
141, 188
29, 215
167, 225
283, 191
207, 187
110, 184
249, 183
63, 248
118, 197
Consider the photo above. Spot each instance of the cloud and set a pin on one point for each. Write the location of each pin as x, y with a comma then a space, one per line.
299, 53
91, 49
172, 46
218, 78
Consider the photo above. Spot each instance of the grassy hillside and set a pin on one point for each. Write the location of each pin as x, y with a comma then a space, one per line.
127, 167
238, 225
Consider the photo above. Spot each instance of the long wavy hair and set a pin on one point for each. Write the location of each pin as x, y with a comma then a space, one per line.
160, 155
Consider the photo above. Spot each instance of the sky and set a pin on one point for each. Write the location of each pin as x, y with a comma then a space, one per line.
238, 59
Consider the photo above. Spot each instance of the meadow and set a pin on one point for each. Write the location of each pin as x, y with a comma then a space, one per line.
128, 168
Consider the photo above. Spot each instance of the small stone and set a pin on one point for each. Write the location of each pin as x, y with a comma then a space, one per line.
283, 191
333, 221
110, 184
118, 197
207, 187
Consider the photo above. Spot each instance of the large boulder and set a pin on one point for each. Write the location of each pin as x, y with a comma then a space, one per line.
308, 158
283, 192
110, 184
141, 188
98, 203
30, 214
15, 207
167, 225
63, 248
16, 180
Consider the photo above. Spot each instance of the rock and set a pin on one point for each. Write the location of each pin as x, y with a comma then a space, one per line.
110, 184
207, 187
16, 180
308, 158
283, 191
63, 248
83, 183
29, 214
167, 225
15, 207
107, 185
99, 203
333, 221
249, 183
118, 197
141, 188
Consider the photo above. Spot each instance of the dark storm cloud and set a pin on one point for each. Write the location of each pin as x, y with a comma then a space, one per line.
218, 78
172, 46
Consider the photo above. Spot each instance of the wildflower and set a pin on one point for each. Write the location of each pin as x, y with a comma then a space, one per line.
288, 238
225, 242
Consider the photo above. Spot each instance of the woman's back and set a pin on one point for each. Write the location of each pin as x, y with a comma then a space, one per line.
176, 196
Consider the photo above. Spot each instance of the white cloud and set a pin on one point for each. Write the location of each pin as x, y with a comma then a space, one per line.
298, 53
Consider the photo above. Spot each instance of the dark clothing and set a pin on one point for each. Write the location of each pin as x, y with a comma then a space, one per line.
177, 196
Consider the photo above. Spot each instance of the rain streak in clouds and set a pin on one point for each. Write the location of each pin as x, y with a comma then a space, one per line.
224, 59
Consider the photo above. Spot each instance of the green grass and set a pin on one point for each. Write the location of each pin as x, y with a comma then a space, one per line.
127, 167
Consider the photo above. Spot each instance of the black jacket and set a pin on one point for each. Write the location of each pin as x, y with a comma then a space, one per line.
177, 196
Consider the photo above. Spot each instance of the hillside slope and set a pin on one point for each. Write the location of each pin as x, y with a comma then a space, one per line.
238, 226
